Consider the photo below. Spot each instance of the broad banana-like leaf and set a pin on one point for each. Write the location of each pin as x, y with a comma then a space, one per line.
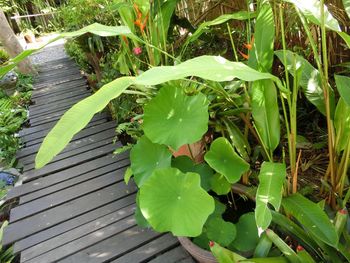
311, 217
206, 67
213, 68
77, 117
346, 4
264, 96
271, 178
266, 113
343, 86
342, 125
261, 56
311, 9
310, 80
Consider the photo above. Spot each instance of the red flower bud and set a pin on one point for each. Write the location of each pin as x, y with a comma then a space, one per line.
211, 243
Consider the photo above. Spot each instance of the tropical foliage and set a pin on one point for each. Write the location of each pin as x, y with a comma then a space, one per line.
237, 119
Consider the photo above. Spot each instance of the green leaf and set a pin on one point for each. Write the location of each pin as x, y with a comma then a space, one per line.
343, 86
247, 233
173, 201
208, 67
224, 255
271, 178
345, 37
127, 175
147, 156
311, 216
237, 138
342, 125
223, 159
266, 113
185, 165
346, 4
220, 185
213, 68
311, 9
77, 117
221, 231
140, 219
241, 15
261, 56
310, 80
174, 119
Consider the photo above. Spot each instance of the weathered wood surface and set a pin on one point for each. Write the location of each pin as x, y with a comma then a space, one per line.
78, 208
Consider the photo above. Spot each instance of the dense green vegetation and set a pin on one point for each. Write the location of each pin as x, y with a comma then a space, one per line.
205, 130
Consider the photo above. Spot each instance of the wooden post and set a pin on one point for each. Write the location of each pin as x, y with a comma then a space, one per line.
12, 46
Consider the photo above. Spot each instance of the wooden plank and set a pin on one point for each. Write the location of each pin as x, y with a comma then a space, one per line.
59, 214
56, 92
66, 195
57, 72
125, 229
112, 247
82, 88
50, 107
176, 255
72, 223
58, 76
61, 81
88, 131
75, 144
117, 167
57, 88
31, 130
78, 232
93, 122
149, 250
92, 146
55, 178
57, 99
64, 164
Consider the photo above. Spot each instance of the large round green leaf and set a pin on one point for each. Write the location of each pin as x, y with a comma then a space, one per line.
174, 119
247, 233
147, 156
220, 185
221, 231
173, 201
222, 158
185, 165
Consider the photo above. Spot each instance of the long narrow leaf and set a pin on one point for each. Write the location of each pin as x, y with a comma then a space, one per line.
77, 118
312, 217
271, 178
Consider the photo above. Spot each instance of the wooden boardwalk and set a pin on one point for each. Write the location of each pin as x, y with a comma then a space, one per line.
78, 208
